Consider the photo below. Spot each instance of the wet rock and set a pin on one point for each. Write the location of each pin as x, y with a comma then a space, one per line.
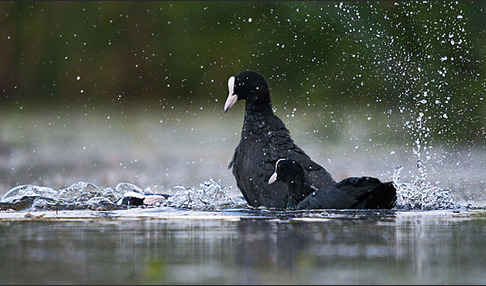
18, 204
131, 198
111, 194
19, 192
101, 204
41, 203
79, 192
155, 200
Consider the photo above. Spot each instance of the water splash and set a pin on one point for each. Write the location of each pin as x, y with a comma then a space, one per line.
81, 195
422, 195
420, 77
209, 196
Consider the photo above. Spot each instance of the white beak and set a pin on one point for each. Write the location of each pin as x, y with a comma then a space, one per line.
232, 98
230, 101
273, 178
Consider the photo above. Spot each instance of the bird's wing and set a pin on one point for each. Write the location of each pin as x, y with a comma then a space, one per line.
328, 197
352, 193
299, 155
251, 172
232, 162
236, 164
281, 146
316, 175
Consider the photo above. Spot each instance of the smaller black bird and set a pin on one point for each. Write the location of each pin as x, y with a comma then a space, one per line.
350, 193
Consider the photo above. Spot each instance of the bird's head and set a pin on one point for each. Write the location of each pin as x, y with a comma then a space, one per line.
250, 86
287, 171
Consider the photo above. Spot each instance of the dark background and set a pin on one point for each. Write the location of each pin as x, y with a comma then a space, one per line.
166, 57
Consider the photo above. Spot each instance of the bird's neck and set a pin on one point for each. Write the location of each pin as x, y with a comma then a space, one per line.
263, 108
297, 191
256, 119
296, 185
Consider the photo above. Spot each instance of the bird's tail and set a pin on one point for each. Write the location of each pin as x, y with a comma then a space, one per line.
384, 196
370, 193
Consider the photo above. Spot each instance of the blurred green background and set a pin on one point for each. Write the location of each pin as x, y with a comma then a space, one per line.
396, 59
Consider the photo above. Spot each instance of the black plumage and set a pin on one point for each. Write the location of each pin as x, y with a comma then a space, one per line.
265, 139
350, 193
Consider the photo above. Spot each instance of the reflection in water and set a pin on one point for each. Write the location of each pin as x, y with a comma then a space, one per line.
405, 248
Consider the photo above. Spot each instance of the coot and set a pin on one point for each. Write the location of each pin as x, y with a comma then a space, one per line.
350, 193
265, 139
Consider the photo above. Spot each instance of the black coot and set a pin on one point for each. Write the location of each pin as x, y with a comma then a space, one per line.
265, 139
350, 193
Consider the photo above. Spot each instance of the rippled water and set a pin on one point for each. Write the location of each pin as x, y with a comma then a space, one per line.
241, 246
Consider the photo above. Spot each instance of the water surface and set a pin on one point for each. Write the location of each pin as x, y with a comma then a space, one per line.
243, 246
